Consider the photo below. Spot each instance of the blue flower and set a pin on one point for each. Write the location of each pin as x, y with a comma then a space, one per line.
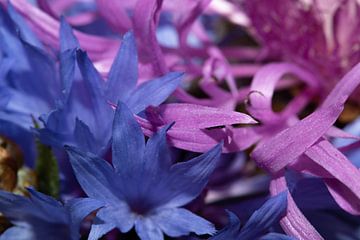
42, 217
83, 116
142, 187
258, 224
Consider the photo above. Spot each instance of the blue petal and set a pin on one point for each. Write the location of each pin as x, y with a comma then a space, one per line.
231, 230
95, 175
153, 92
157, 157
5, 97
128, 141
147, 230
25, 31
189, 178
79, 209
67, 37
99, 229
276, 236
84, 138
40, 198
177, 222
42, 70
47, 206
101, 110
90, 74
18, 233
123, 74
265, 217
118, 214
67, 72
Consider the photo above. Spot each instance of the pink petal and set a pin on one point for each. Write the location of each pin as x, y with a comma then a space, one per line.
294, 223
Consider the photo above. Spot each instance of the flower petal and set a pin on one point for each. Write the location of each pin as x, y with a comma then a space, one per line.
265, 217
123, 74
95, 175
128, 142
153, 92
191, 177
176, 222
147, 230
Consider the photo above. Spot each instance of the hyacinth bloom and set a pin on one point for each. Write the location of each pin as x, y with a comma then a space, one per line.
258, 224
142, 187
42, 217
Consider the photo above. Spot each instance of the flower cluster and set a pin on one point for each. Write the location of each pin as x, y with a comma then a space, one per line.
160, 119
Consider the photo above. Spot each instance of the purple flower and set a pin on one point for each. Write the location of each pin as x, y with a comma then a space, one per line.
42, 217
142, 187
258, 224
304, 147
326, 40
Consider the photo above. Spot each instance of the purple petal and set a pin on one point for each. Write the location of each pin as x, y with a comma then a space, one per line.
294, 222
115, 14
192, 116
335, 163
146, 15
280, 150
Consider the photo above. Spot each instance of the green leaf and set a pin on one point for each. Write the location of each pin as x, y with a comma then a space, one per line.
47, 170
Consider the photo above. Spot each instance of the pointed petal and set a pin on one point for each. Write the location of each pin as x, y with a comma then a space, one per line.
146, 229
231, 230
146, 17
95, 175
191, 177
84, 138
90, 74
128, 141
265, 217
157, 154
177, 222
67, 72
294, 223
123, 74
26, 33
278, 151
67, 37
41, 198
335, 163
153, 92
192, 116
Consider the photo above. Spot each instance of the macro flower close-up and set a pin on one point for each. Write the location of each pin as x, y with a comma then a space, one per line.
188, 120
